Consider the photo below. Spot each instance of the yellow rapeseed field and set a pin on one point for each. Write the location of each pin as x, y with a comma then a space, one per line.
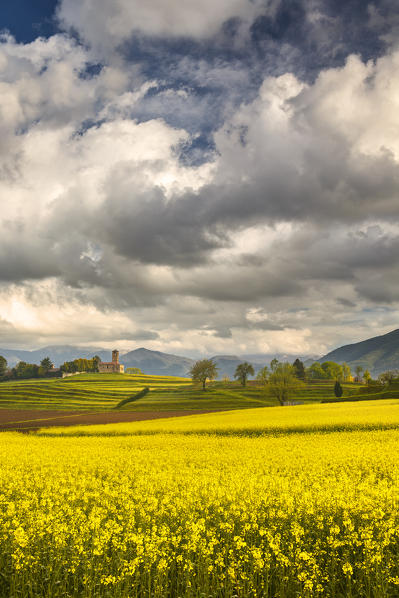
194, 515
363, 415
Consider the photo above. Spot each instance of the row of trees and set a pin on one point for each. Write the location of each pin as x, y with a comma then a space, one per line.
206, 369
81, 365
285, 379
24, 370
329, 370
282, 378
133, 371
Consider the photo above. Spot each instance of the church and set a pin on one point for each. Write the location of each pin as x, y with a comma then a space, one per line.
112, 367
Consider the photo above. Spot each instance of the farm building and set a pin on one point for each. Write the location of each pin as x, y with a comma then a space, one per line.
112, 367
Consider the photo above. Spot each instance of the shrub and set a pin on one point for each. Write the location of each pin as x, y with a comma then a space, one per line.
338, 390
136, 397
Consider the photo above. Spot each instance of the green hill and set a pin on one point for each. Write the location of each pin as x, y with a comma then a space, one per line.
104, 391
377, 354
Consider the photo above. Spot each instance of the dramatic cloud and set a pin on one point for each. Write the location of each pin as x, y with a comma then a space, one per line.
110, 24
210, 209
297, 153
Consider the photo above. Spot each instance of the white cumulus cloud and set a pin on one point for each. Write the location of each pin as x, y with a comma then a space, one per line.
107, 24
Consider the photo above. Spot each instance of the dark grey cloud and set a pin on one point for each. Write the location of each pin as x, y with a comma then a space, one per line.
202, 78
186, 230
345, 302
154, 230
379, 288
141, 335
23, 256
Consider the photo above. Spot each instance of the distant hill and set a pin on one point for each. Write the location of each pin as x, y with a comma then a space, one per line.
150, 362
57, 353
226, 364
157, 363
153, 363
377, 354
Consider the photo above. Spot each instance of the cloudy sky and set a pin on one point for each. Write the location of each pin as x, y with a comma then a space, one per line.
199, 177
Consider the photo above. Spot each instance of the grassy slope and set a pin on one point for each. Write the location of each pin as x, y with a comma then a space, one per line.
369, 393
84, 391
105, 391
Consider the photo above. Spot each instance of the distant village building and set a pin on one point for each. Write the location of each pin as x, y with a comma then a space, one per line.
112, 367
54, 373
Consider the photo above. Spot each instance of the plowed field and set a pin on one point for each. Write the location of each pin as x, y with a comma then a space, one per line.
33, 419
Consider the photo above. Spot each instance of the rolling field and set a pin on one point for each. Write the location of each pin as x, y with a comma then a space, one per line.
166, 512
370, 415
100, 392
84, 391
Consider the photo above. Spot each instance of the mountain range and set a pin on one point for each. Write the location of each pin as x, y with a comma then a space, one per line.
149, 362
377, 354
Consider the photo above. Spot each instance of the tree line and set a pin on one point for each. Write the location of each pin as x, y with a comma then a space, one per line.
284, 379
81, 365
24, 370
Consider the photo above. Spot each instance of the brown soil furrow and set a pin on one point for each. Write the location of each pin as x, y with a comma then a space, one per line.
15, 419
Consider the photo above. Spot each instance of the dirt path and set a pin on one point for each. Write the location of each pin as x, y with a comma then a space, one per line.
31, 420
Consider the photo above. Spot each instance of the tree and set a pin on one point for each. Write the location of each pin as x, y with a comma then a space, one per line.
283, 382
96, 362
332, 370
338, 390
81, 365
3, 366
388, 377
263, 375
358, 370
70, 367
315, 371
133, 371
299, 369
25, 370
346, 371
273, 364
367, 376
46, 364
243, 370
203, 370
